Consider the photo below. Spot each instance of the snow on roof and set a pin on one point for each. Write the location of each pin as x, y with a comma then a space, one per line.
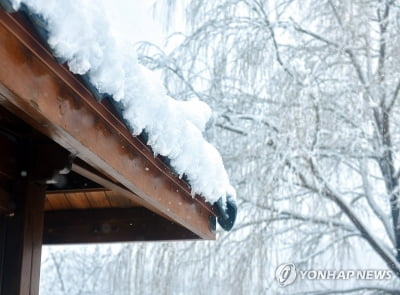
79, 33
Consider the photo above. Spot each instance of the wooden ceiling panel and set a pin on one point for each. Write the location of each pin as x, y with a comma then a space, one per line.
78, 200
57, 201
98, 199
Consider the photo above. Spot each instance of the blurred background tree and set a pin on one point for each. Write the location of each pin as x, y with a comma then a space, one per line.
306, 116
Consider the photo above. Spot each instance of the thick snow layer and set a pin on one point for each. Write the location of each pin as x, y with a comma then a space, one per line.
79, 32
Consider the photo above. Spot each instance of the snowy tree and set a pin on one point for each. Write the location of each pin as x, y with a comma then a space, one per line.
306, 107
306, 99
76, 270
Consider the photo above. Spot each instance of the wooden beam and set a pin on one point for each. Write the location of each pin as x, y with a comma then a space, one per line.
88, 173
21, 230
73, 182
47, 96
21, 237
110, 225
94, 176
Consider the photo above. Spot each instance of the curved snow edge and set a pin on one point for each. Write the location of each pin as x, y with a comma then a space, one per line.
79, 33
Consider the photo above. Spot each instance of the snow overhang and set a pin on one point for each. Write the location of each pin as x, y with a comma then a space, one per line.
47, 96
225, 208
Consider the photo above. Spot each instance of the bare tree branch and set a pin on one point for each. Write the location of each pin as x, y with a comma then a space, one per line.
327, 191
374, 206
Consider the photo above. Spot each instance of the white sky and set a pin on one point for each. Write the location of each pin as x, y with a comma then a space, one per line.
134, 18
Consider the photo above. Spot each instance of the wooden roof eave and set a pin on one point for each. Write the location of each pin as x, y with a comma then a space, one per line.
51, 99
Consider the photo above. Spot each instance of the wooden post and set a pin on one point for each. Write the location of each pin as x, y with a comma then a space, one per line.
27, 161
21, 241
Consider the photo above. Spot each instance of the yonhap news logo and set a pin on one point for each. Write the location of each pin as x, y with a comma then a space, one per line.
287, 273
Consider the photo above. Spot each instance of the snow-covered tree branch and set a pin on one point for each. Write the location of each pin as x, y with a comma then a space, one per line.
306, 114
313, 86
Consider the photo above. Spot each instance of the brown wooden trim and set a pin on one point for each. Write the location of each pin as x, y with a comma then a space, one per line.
110, 225
47, 96
76, 190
